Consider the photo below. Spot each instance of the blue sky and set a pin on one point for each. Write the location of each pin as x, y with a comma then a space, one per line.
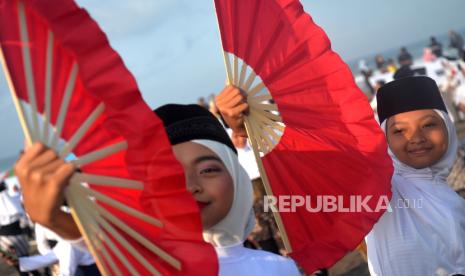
173, 49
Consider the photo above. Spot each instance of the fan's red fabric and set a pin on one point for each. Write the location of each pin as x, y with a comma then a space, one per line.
103, 78
331, 145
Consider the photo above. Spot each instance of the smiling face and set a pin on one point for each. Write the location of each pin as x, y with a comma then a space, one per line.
417, 138
208, 180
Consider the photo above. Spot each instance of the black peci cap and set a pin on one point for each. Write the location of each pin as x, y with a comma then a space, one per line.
192, 122
408, 94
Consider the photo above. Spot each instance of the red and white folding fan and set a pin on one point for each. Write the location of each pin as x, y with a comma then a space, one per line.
74, 94
311, 128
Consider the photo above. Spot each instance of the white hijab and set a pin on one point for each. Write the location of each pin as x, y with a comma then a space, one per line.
428, 238
234, 228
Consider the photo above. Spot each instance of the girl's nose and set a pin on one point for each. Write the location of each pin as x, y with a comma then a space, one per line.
417, 137
192, 186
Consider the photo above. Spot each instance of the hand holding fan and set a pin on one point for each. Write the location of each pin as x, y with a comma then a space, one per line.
73, 94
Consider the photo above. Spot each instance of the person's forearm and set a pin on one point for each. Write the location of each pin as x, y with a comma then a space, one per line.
65, 227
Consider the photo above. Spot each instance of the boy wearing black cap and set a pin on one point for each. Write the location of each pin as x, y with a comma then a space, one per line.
424, 232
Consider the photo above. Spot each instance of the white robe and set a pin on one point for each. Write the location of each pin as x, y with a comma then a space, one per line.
64, 253
238, 260
424, 233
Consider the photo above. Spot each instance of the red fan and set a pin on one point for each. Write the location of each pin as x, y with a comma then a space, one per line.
312, 129
74, 94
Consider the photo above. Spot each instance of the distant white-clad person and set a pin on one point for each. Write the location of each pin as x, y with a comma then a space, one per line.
12, 235
71, 260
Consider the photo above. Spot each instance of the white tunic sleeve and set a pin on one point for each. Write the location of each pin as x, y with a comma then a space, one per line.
37, 261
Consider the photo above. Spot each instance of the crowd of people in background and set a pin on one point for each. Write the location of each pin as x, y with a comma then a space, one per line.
446, 65
16, 234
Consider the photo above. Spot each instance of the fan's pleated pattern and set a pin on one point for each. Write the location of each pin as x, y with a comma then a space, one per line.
95, 115
331, 143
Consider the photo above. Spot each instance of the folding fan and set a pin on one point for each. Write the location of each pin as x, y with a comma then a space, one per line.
74, 94
311, 128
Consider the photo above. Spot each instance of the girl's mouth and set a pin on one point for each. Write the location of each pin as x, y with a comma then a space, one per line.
202, 204
420, 151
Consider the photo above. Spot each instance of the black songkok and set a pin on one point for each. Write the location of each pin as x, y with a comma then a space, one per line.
192, 122
408, 94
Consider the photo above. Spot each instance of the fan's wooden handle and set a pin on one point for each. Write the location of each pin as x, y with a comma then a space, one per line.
19, 109
267, 186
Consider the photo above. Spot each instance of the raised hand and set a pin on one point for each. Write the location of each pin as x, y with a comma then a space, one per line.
232, 104
43, 177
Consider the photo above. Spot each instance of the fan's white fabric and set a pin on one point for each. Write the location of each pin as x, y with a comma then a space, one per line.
428, 239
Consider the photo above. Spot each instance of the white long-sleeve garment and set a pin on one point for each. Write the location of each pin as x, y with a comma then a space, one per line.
10, 204
65, 253
424, 234
68, 256
238, 260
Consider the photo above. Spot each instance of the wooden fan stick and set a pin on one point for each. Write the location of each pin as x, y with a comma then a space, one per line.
100, 154
268, 190
82, 226
266, 106
109, 259
82, 130
123, 241
27, 62
250, 80
272, 133
235, 70
138, 237
108, 200
95, 233
110, 243
48, 90
257, 110
101, 180
255, 132
258, 99
265, 120
93, 230
227, 64
117, 252
242, 75
64, 105
256, 89
107, 181
266, 138
19, 109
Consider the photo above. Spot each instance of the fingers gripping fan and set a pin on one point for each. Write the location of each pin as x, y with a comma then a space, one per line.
311, 128
73, 93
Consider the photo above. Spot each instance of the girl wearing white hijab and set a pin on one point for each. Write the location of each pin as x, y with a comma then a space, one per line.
424, 232
222, 189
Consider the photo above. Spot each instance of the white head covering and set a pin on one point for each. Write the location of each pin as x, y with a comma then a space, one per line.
234, 228
424, 233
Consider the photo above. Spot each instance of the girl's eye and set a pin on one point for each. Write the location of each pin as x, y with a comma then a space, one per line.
209, 170
429, 125
397, 131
